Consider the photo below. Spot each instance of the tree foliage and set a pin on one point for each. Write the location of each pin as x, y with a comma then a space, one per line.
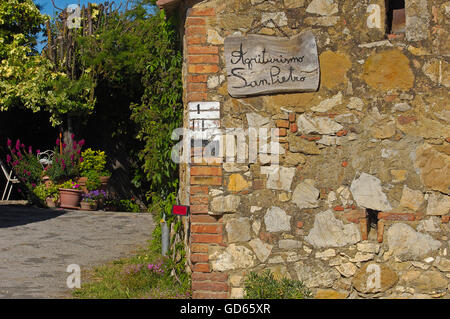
28, 79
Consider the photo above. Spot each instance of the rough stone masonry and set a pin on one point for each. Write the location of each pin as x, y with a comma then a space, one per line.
358, 206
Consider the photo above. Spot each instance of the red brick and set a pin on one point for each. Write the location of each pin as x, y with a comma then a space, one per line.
207, 229
203, 219
213, 276
199, 200
203, 59
201, 49
196, 87
197, 78
199, 248
281, 132
300, 224
342, 133
196, 40
199, 190
447, 139
282, 123
190, 21
199, 209
206, 161
292, 117
354, 216
206, 238
195, 31
203, 68
200, 267
294, 128
344, 164
380, 231
445, 219
202, 12
396, 216
363, 228
206, 180
199, 258
209, 286
206, 171
209, 295
338, 208
193, 97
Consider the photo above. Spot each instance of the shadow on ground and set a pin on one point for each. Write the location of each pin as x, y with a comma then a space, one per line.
17, 215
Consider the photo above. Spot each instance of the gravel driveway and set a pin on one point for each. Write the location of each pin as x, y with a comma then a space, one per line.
37, 245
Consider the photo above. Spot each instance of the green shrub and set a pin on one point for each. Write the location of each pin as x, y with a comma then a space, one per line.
93, 161
265, 286
93, 180
43, 192
124, 205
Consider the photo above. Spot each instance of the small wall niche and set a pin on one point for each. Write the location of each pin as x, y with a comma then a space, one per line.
395, 17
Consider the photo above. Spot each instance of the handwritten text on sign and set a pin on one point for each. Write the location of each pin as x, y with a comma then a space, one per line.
259, 64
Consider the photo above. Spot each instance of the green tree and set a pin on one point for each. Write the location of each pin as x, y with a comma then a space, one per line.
28, 79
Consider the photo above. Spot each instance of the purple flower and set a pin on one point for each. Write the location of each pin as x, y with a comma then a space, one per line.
9, 142
18, 145
72, 136
38, 151
8, 158
57, 141
81, 143
13, 151
30, 150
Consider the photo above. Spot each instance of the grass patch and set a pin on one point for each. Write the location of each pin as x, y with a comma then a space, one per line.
145, 275
265, 286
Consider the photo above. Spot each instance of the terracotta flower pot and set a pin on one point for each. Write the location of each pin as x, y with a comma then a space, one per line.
104, 180
50, 203
88, 205
70, 198
47, 181
82, 182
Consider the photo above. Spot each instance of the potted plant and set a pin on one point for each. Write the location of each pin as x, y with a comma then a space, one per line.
66, 163
93, 199
92, 170
88, 202
47, 194
70, 195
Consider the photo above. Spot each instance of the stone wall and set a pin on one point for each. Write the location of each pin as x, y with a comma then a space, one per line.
358, 206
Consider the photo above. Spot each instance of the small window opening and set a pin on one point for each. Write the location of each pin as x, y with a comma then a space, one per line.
372, 223
395, 16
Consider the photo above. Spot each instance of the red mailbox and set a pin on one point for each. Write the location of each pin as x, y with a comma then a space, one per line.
180, 210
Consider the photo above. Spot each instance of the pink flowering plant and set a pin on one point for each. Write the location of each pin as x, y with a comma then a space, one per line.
25, 164
70, 185
66, 164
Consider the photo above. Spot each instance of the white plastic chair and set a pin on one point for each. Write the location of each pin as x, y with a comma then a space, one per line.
45, 158
10, 181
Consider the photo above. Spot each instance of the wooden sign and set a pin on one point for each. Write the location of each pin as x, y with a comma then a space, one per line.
258, 64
